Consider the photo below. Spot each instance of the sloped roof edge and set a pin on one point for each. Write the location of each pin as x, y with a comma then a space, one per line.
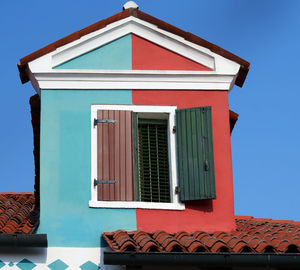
23, 65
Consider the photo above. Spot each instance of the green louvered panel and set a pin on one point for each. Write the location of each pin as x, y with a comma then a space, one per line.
153, 162
195, 161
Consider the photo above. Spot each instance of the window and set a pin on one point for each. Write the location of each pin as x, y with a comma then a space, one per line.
134, 161
152, 161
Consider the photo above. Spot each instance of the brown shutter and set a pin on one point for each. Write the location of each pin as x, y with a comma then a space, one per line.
115, 155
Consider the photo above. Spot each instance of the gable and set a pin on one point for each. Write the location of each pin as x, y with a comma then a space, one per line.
149, 56
113, 55
141, 56
132, 52
30, 64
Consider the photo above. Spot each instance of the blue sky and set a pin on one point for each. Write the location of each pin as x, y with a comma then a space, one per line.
266, 138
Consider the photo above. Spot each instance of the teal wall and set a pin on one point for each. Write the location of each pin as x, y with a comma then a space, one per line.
114, 55
65, 159
65, 164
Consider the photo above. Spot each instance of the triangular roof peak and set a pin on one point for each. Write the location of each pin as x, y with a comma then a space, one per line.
60, 50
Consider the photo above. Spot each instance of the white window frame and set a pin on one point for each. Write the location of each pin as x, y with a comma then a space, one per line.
175, 203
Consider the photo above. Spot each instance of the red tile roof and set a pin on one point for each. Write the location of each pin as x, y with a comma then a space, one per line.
17, 213
23, 65
252, 235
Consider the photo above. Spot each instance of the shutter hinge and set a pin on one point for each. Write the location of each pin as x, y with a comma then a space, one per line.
97, 182
174, 129
206, 165
177, 190
103, 121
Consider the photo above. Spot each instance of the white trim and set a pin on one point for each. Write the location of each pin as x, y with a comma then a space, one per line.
136, 205
134, 79
134, 85
93, 73
34, 82
170, 110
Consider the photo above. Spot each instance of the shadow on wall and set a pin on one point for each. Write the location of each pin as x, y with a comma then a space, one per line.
23, 258
203, 205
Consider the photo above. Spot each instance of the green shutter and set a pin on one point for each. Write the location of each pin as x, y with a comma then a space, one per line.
153, 162
195, 161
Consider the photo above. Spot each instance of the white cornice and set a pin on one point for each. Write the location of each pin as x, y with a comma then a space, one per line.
133, 79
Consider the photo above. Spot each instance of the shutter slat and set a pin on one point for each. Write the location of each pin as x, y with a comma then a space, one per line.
117, 187
106, 155
128, 157
206, 153
115, 156
195, 184
183, 153
136, 157
194, 147
200, 152
100, 153
210, 156
122, 154
111, 115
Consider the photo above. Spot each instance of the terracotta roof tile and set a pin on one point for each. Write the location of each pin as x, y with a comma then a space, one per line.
17, 213
168, 242
253, 235
145, 241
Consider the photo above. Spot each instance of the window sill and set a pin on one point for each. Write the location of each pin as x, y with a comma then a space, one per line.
139, 205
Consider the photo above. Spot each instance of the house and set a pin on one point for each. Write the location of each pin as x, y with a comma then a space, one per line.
133, 159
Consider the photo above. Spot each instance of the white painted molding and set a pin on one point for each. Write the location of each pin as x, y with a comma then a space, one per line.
133, 79
136, 205
160, 110
34, 82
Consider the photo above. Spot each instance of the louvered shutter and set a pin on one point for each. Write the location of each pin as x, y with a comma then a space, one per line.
152, 160
195, 161
114, 156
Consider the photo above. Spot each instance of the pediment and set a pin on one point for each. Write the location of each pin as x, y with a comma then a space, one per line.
115, 57
132, 52
136, 27
131, 25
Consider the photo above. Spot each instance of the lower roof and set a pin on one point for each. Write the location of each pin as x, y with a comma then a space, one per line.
18, 214
252, 235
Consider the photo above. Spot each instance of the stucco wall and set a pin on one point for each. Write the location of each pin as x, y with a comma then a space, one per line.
206, 215
66, 152
66, 169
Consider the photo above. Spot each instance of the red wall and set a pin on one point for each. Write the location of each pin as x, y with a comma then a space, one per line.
206, 215
149, 56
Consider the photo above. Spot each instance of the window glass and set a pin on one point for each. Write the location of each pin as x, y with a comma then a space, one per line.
153, 181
